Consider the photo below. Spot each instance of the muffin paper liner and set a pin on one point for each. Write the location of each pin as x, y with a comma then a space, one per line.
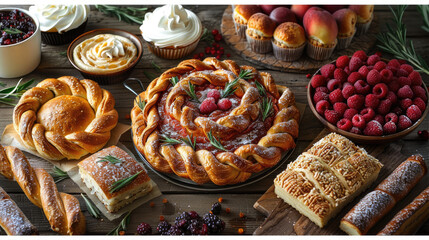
362, 28
319, 53
259, 46
288, 54
345, 42
55, 38
240, 29
172, 52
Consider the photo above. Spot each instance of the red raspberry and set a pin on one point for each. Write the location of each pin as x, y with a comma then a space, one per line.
363, 71
405, 92
348, 90
344, 124
373, 77
370, 68
380, 90
379, 118
373, 59
340, 75
218, 38
392, 97
391, 117
340, 108
397, 110
336, 96
319, 96
358, 121
380, 65
404, 81
372, 101
378, 53
332, 116
394, 63
356, 101
420, 92
362, 87
349, 113
389, 128
328, 70
361, 55
308, 75
208, 105
386, 75
368, 114
355, 63
420, 103
224, 104
342, 61
407, 68
392, 69
373, 128
347, 70
405, 103
353, 77
402, 73
414, 113
322, 106
333, 84
215, 32
356, 130
322, 89
402, 61
415, 78
424, 134
318, 81
384, 107
214, 93
404, 122
394, 85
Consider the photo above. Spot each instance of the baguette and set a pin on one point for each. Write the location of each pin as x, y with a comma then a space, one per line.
410, 218
377, 203
12, 219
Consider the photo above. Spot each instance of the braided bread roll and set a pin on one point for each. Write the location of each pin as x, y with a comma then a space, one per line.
168, 111
61, 209
65, 118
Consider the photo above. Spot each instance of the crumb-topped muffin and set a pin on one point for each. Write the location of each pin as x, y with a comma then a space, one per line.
288, 41
346, 21
241, 15
260, 30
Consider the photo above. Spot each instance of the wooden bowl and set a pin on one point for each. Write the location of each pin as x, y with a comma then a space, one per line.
363, 138
109, 78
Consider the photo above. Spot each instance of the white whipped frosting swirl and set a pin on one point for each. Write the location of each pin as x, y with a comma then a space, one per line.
171, 25
60, 18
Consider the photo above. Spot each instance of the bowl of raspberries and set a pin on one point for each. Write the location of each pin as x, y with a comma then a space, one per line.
368, 99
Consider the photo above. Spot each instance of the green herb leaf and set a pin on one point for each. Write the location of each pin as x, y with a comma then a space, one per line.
261, 89
127, 14
140, 103
191, 92
122, 225
63, 53
92, 209
190, 141
156, 67
111, 159
58, 175
2, 84
12, 31
215, 142
174, 80
230, 86
116, 186
266, 108
207, 36
149, 75
169, 141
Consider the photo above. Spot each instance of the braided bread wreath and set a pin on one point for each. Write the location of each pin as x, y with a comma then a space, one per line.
252, 144
65, 118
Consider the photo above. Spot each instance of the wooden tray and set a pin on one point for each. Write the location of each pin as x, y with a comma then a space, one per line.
302, 65
284, 219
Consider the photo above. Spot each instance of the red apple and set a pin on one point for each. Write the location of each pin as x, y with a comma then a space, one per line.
364, 12
300, 10
321, 25
282, 14
267, 9
333, 8
346, 20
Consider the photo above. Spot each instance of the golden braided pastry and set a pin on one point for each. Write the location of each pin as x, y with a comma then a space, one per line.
65, 118
61, 209
252, 144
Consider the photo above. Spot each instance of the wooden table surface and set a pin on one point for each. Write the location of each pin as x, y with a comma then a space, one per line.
54, 64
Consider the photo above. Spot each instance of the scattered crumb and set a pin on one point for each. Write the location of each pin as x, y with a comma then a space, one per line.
127, 116
164, 200
121, 232
242, 215
152, 204
161, 218
220, 199
228, 210
240, 231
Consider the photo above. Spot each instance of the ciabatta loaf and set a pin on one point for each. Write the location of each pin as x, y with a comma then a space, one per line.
321, 181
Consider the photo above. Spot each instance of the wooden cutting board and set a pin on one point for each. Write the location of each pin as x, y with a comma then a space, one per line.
284, 219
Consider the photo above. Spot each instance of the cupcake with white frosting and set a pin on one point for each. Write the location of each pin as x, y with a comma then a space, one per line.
171, 31
60, 24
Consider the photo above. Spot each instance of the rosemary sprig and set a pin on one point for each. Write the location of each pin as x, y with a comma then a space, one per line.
127, 14
111, 159
140, 103
169, 141
58, 175
174, 80
230, 86
191, 92
424, 11
149, 75
11, 30
92, 209
260, 88
215, 142
190, 141
122, 225
266, 107
7, 95
123, 182
63, 53
156, 67
207, 36
395, 41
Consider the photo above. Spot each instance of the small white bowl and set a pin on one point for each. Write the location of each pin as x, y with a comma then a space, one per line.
21, 58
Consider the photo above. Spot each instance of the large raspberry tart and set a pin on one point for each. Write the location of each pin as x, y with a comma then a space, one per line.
214, 121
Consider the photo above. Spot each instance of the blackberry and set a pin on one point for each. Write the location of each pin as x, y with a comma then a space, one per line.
183, 220
216, 208
193, 215
144, 229
195, 227
174, 230
214, 223
163, 227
